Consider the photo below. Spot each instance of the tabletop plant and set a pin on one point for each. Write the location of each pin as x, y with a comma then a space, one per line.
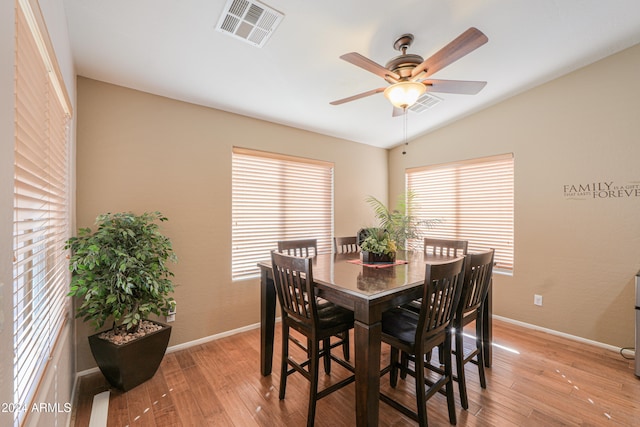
378, 241
377, 246
400, 224
120, 270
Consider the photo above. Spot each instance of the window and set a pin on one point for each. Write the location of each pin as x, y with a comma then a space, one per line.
41, 205
473, 200
277, 197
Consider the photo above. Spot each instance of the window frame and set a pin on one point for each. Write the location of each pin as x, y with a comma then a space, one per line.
42, 207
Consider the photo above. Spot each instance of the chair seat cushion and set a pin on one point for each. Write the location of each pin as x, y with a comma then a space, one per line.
400, 324
331, 315
321, 302
414, 305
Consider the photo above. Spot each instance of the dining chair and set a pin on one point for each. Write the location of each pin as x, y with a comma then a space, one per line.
309, 248
344, 245
477, 278
293, 279
446, 247
301, 248
416, 334
439, 247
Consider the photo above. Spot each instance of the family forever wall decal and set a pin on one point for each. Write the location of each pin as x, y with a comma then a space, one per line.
602, 190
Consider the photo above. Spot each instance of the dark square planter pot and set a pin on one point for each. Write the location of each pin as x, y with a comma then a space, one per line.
129, 365
371, 258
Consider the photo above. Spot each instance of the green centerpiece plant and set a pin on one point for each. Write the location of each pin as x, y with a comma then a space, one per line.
397, 229
378, 246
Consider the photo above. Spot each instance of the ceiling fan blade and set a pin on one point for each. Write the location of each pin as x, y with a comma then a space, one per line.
358, 96
463, 87
367, 64
465, 43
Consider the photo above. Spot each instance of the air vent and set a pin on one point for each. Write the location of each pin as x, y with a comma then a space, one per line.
425, 102
249, 21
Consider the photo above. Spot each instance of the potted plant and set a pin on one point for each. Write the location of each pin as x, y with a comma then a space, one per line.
378, 247
397, 229
120, 273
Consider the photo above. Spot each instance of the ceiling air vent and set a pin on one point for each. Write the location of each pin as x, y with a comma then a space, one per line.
249, 21
425, 102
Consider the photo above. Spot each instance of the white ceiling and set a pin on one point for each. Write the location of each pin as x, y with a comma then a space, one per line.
171, 48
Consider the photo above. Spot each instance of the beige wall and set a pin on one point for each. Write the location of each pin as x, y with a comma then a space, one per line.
140, 152
580, 255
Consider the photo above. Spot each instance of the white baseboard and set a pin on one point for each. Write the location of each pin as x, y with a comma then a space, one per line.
86, 372
560, 334
211, 338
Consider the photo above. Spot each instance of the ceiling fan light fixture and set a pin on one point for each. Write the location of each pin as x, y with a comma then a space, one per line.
404, 94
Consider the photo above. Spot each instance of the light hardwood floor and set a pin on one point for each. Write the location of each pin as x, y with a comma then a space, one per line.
537, 379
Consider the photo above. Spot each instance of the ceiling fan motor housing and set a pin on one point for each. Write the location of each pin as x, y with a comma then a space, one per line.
404, 64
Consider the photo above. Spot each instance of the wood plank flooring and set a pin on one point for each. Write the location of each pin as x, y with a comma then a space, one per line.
537, 379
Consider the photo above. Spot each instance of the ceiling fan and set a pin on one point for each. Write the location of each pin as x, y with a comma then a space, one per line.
408, 74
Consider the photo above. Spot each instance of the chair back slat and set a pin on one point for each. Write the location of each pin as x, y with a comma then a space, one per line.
344, 245
442, 288
293, 279
299, 248
477, 277
445, 247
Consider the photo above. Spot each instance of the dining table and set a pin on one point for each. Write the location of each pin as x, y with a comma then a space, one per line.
368, 291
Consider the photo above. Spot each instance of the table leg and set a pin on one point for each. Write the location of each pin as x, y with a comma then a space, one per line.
367, 364
487, 327
267, 322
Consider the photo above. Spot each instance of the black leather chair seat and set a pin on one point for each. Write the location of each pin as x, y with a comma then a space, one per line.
401, 324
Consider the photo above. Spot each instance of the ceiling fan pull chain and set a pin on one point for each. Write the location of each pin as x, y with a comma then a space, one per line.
406, 118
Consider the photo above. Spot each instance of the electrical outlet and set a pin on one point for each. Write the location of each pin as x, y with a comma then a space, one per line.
171, 316
537, 300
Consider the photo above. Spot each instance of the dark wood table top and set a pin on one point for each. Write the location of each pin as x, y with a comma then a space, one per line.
338, 271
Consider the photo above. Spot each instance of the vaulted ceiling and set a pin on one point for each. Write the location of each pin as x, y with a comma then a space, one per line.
172, 48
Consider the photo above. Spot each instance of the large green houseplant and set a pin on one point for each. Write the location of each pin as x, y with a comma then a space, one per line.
120, 274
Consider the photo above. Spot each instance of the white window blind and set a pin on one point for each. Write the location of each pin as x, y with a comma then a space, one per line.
41, 207
473, 200
277, 197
